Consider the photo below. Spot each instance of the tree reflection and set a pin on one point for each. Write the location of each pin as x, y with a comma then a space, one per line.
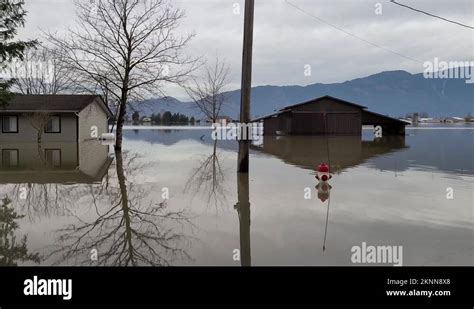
129, 231
209, 178
37, 199
12, 251
44, 199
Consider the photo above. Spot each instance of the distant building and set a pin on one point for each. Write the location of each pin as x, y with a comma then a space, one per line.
69, 118
454, 119
327, 115
426, 120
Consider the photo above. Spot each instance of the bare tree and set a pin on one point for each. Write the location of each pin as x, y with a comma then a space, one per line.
39, 121
207, 92
42, 71
128, 47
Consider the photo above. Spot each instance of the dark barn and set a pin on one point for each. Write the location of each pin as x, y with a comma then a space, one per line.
327, 115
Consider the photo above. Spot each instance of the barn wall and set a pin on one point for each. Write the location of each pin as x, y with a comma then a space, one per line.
285, 121
337, 118
342, 119
344, 123
270, 126
316, 123
307, 123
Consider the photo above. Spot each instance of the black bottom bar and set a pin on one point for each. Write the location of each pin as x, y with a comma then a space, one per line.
258, 285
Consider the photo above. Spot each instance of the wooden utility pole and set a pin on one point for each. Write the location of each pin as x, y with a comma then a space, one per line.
243, 209
243, 159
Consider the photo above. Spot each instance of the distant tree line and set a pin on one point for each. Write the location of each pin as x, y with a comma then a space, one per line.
167, 118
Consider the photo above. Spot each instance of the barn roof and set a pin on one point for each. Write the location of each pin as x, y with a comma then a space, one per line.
288, 108
364, 109
386, 117
322, 98
270, 115
53, 103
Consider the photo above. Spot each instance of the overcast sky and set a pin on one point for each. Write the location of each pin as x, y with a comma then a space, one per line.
286, 39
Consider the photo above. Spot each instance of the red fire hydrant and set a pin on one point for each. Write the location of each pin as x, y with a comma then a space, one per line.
322, 172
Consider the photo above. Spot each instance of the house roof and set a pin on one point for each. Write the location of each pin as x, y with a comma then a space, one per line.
287, 108
53, 103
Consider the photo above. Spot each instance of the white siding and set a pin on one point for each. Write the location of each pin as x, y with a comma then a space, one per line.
92, 116
92, 157
27, 133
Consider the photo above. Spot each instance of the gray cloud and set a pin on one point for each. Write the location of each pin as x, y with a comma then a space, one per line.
286, 39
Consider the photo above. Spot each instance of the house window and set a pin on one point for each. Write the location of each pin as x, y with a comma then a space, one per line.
53, 157
53, 125
10, 124
10, 157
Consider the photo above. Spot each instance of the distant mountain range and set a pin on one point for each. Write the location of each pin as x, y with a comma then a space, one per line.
393, 93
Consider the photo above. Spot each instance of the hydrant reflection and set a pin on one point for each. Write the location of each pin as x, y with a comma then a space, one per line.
323, 175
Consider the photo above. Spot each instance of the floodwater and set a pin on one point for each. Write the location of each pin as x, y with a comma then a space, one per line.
173, 197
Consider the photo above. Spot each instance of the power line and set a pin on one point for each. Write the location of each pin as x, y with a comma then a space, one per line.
353, 35
432, 15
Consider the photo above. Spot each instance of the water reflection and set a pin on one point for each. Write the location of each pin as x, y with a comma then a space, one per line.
342, 151
108, 213
79, 201
243, 210
444, 151
324, 190
46, 163
44, 176
126, 230
208, 178
13, 250
447, 151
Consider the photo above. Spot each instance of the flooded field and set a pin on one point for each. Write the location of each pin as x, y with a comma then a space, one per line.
173, 197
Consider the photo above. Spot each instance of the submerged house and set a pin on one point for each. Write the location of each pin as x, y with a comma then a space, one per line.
61, 118
69, 152
327, 115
